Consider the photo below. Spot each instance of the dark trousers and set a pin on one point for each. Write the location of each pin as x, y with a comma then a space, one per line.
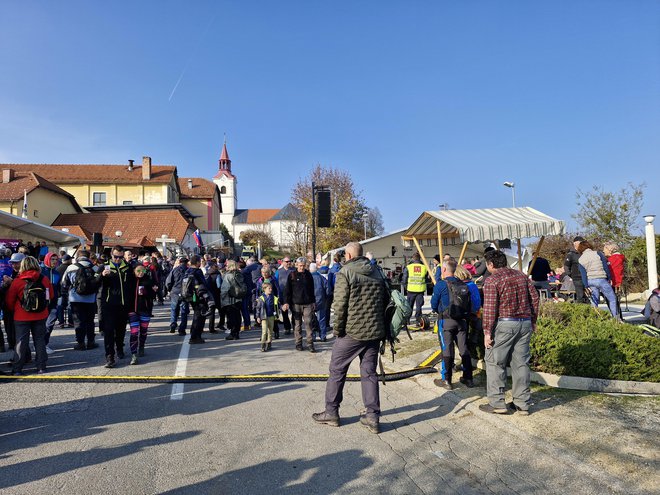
197, 326
579, 292
114, 328
83, 321
23, 329
416, 298
178, 305
450, 331
212, 318
476, 338
233, 312
286, 321
344, 351
8, 318
245, 311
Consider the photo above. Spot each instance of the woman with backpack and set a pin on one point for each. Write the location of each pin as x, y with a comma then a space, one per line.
28, 296
232, 292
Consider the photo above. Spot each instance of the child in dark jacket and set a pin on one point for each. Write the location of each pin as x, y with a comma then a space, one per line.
266, 313
139, 314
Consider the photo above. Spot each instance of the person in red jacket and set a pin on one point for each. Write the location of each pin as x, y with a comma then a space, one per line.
617, 264
27, 320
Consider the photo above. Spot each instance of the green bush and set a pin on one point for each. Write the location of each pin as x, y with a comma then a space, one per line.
578, 340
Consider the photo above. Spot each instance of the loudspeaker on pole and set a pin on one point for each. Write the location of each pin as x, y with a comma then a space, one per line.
323, 209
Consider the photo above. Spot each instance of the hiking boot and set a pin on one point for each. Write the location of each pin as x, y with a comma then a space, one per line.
213, 330
439, 382
373, 425
120, 354
311, 349
172, 328
141, 352
515, 409
263, 347
268, 346
92, 345
198, 340
493, 410
134, 359
468, 382
110, 362
325, 419
79, 347
299, 347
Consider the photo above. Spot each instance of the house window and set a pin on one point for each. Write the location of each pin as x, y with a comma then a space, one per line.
35, 213
98, 199
127, 203
223, 190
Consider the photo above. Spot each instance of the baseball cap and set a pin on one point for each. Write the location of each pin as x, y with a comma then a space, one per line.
183, 259
17, 258
66, 257
578, 238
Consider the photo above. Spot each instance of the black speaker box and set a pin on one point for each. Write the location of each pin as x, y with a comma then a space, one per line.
323, 208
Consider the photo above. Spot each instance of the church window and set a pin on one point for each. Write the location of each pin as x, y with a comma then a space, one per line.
223, 190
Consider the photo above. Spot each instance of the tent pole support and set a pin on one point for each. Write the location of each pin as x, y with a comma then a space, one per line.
536, 255
519, 256
460, 260
426, 263
437, 224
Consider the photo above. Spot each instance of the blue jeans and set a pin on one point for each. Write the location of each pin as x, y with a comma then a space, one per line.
323, 323
178, 305
600, 286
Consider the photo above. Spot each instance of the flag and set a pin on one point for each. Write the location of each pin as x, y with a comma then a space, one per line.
25, 210
198, 238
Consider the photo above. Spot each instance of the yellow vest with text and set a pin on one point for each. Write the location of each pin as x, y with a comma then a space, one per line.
416, 278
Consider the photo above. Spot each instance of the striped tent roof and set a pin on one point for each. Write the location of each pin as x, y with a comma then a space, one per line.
485, 224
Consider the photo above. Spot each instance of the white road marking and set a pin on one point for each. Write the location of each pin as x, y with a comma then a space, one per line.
181, 364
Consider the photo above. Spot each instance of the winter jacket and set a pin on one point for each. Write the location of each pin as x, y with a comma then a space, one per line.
360, 299
265, 306
617, 263
272, 281
593, 265
14, 296
55, 279
281, 275
174, 279
652, 308
299, 288
332, 277
143, 295
214, 282
572, 266
118, 288
201, 289
320, 290
69, 278
232, 277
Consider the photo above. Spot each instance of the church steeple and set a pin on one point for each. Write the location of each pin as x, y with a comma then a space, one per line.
225, 162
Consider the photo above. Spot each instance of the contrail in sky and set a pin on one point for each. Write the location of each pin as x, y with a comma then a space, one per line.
185, 68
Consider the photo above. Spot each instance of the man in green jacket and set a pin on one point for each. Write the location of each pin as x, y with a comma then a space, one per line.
360, 298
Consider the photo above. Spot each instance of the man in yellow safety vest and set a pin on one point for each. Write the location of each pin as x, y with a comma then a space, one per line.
414, 283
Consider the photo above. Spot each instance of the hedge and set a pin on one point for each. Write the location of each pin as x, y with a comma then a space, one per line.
578, 340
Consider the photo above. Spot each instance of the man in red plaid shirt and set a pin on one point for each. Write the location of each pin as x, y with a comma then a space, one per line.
509, 316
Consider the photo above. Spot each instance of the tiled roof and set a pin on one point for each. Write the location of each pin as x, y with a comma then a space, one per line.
202, 188
14, 189
98, 174
254, 215
225, 172
76, 230
134, 225
289, 212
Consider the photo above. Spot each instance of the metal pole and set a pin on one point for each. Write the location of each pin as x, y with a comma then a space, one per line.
313, 221
513, 193
651, 253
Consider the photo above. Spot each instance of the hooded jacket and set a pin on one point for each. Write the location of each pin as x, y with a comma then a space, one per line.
55, 278
69, 278
143, 303
118, 288
360, 298
15, 296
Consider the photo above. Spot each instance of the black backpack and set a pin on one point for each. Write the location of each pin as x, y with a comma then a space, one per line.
188, 289
460, 303
85, 281
237, 287
34, 296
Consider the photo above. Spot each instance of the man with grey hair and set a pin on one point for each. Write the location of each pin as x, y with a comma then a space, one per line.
299, 296
361, 296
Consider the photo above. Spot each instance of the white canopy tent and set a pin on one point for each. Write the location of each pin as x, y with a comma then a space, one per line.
12, 226
484, 225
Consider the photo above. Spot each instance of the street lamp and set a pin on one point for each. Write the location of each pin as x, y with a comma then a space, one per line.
511, 186
118, 233
365, 216
444, 206
650, 252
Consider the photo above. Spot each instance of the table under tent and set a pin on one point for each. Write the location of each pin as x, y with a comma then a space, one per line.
463, 227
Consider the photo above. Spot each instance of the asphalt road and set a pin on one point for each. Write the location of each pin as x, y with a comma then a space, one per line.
257, 438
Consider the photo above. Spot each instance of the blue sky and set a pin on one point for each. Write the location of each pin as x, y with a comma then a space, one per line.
423, 102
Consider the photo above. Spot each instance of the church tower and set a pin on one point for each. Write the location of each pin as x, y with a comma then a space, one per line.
226, 182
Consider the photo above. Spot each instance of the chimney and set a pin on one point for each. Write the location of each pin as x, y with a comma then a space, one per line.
7, 175
130, 165
146, 168
190, 185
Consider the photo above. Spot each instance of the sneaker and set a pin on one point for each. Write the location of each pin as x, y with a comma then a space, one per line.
325, 419
373, 425
493, 410
520, 412
311, 349
141, 352
299, 347
49, 351
228, 331
468, 382
120, 354
213, 330
198, 340
79, 347
110, 362
134, 359
439, 382
92, 345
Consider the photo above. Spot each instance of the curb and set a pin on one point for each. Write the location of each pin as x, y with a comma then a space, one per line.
596, 384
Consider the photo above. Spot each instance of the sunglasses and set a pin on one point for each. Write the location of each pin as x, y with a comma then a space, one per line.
117, 256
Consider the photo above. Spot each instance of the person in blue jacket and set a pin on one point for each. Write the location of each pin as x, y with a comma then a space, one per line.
51, 261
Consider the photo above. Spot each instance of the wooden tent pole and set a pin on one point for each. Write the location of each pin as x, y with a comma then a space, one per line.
437, 224
519, 256
460, 260
536, 255
426, 263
